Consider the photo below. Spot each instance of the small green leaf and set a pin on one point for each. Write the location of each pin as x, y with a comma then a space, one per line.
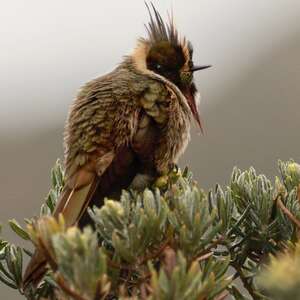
14, 225
8, 282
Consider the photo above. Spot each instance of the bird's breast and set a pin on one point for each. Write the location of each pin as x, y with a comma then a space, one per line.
163, 132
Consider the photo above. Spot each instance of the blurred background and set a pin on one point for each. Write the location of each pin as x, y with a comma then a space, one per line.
250, 98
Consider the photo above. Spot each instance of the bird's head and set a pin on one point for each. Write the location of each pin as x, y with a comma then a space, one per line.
171, 56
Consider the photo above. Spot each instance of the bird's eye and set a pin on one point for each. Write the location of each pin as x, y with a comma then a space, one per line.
158, 67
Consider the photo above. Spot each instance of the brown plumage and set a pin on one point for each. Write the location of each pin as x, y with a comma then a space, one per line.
127, 127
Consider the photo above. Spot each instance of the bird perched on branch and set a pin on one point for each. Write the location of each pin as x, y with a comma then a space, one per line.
127, 127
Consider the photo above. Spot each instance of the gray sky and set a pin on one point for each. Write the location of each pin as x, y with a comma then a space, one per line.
250, 98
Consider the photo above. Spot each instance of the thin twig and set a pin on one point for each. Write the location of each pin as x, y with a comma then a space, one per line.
222, 296
202, 255
119, 266
143, 260
61, 282
286, 211
156, 254
143, 291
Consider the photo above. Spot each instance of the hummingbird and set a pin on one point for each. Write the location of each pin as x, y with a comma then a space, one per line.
128, 127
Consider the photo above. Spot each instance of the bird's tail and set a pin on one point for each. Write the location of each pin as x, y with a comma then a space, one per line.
71, 204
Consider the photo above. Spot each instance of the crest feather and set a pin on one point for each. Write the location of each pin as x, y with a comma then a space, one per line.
158, 30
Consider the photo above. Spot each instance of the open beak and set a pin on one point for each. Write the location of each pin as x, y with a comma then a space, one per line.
197, 68
194, 109
190, 95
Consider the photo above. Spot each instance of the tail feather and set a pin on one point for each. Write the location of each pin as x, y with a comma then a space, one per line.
71, 204
90, 189
76, 203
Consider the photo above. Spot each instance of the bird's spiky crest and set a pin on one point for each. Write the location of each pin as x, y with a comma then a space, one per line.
158, 31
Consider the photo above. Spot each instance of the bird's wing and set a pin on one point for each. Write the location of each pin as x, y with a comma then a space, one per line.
96, 137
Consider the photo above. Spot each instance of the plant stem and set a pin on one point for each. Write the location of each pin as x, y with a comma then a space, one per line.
61, 282
286, 211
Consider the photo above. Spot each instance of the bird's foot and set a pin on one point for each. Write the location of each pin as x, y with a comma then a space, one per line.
173, 167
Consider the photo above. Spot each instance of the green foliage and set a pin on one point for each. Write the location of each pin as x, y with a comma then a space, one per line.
253, 226
177, 280
290, 174
74, 251
171, 241
11, 262
57, 184
190, 218
134, 225
17, 228
74, 256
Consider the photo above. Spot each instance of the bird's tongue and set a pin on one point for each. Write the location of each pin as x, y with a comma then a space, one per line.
193, 106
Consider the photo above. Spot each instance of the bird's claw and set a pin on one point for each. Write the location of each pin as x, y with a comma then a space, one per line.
173, 167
